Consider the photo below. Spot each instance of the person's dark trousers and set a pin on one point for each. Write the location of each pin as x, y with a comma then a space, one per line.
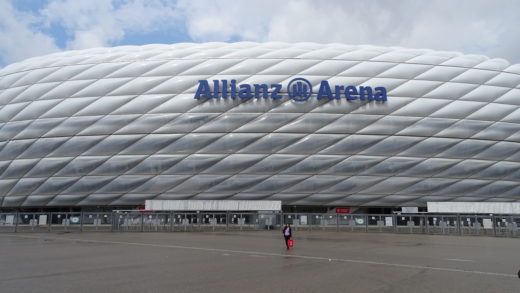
287, 240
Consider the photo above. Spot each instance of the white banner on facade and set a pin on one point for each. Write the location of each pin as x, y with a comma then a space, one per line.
409, 210
474, 207
213, 205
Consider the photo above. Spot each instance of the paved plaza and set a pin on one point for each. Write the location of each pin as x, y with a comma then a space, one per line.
256, 262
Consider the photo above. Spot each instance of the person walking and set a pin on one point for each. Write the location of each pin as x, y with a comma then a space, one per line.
287, 233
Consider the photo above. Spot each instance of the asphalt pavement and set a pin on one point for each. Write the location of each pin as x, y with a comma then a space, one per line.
256, 262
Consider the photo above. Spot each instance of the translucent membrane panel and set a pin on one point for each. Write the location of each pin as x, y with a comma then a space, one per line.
388, 125
430, 167
238, 183
485, 93
277, 183
190, 143
391, 185
354, 165
138, 86
498, 170
66, 199
102, 87
18, 168
499, 151
234, 163
353, 144
428, 186
113, 144
420, 108
141, 104
38, 128
268, 122
124, 183
466, 168
312, 143
77, 145
429, 147
227, 122
274, 164
186, 122
464, 187
458, 110
74, 125
47, 167
451, 90
8, 111
25, 186
194, 164
354, 184
160, 183
392, 145
350, 123
315, 183
289, 67
6, 185
199, 183
308, 123
81, 166
3, 165
314, 164
156, 164
104, 105
99, 199
35, 109
496, 188
34, 76
65, 90
117, 165
466, 149
271, 143
464, 128
55, 185
151, 144
10, 129
406, 71
37, 200
136, 69
499, 131
106, 125
88, 184
43, 147
392, 166
427, 127
231, 143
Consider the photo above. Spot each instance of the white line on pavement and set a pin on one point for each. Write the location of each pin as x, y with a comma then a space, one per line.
459, 259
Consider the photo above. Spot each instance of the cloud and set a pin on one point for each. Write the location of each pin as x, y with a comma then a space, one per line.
469, 26
227, 20
98, 23
20, 36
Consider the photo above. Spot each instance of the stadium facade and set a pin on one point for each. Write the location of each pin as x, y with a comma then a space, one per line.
308, 124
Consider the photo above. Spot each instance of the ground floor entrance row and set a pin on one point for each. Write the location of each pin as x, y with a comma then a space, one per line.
175, 221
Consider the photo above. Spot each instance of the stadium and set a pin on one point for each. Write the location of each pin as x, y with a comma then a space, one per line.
312, 125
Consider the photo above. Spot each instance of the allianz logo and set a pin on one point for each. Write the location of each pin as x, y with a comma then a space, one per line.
299, 89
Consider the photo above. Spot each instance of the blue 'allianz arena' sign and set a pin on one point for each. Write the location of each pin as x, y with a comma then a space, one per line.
299, 89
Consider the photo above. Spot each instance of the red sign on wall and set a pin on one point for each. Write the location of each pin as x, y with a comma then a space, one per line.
342, 210
142, 209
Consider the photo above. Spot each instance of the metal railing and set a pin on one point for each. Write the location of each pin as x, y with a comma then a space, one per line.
138, 221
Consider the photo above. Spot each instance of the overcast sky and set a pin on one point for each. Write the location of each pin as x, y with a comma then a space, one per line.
37, 27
